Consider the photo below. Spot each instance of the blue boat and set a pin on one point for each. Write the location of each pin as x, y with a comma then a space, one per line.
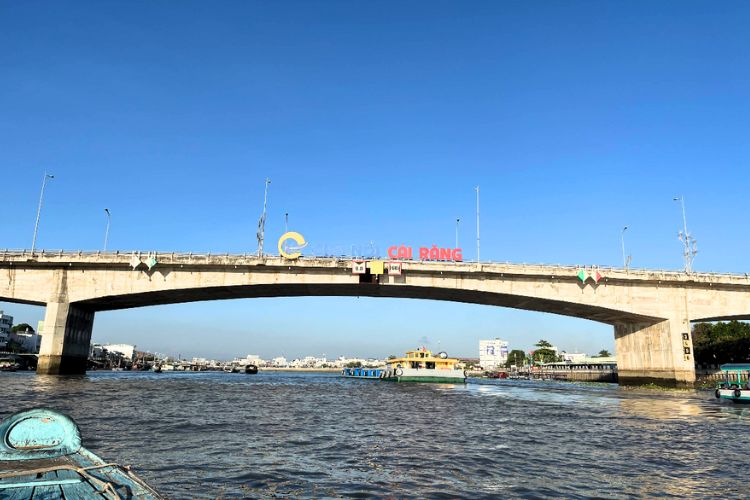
371, 373
41, 457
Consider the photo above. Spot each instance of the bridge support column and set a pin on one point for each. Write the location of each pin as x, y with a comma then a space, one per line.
659, 353
65, 340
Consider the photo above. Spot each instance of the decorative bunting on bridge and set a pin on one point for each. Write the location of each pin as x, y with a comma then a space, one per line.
151, 262
135, 262
593, 274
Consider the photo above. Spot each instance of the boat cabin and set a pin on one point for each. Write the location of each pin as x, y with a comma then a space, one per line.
734, 374
423, 359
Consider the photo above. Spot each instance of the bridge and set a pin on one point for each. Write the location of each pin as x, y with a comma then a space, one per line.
650, 311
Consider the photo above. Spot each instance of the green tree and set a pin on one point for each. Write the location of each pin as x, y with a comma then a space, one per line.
23, 327
545, 353
603, 354
354, 364
516, 357
722, 342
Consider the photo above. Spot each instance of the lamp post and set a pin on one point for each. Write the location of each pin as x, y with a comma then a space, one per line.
106, 232
690, 245
39, 210
457, 221
262, 222
622, 240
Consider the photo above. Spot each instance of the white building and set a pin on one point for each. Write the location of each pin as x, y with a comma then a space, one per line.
493, 353
280, 362
250, 359
126, 350
30, 342
6, 322
573, 357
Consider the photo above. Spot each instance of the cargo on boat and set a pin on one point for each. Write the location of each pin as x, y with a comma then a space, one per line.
41, 457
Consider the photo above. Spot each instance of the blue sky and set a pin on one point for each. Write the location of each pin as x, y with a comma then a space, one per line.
374, 121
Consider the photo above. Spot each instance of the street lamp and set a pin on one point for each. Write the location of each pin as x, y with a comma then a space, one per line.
39, 210
625, 260
690, 245
106, 232
457, 221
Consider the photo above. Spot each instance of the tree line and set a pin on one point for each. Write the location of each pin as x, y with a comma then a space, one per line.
722, 342
542, 354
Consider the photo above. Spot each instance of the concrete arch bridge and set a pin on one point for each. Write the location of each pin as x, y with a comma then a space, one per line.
650, 311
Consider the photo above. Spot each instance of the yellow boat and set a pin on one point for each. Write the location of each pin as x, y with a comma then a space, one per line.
421, 366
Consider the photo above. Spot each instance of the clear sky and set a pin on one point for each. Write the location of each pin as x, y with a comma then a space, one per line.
374, 121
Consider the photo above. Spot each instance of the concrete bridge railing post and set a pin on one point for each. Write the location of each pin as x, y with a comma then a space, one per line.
66, 339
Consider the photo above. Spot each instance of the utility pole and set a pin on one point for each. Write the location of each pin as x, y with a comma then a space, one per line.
39, 210
106, 232
690, 245
262, 222
477, 189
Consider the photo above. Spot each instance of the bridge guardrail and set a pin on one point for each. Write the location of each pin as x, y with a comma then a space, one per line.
12, 254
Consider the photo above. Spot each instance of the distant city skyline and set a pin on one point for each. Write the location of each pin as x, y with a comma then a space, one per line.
374, 125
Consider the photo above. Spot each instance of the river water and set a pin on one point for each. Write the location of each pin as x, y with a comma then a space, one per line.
303, 435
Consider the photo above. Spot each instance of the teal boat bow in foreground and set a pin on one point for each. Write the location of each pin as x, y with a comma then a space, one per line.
41, 457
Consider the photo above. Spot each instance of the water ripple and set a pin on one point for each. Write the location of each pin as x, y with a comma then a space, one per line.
281, 435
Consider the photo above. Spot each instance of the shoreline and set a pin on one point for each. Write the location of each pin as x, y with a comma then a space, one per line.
277, 369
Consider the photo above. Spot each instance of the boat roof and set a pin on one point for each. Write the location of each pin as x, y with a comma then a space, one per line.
735, 367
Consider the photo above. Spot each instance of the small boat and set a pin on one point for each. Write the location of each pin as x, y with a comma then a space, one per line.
732, 388
8, 365
421, 366
251, 369
231, 369
41, 456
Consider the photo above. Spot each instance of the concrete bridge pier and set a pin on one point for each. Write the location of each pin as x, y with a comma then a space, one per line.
66, 339
660, 353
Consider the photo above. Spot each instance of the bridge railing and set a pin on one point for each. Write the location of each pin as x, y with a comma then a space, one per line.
125, 256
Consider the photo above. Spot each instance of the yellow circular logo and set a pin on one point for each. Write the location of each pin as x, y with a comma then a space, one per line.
298, 239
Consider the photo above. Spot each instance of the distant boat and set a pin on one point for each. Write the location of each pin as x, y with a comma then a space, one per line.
41, 455
8, 365
251, 369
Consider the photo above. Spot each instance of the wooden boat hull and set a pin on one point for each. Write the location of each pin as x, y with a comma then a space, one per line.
41, 457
